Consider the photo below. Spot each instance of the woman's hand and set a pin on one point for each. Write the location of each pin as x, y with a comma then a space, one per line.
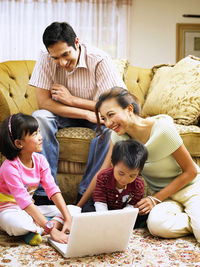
145, 205
59, 236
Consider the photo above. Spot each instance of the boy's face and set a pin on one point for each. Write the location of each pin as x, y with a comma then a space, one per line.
65, 56
124, 175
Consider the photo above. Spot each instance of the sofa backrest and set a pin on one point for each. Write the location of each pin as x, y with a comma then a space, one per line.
138, 81
17, 96
15, 93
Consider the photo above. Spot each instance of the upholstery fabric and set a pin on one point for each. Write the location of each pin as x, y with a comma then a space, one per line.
137, 81
175, 91
68, 183
191, 138
15, 93
75, 143
121, 65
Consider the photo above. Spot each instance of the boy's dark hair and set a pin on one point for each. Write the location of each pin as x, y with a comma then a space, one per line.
12, 128
59, 31
131, 152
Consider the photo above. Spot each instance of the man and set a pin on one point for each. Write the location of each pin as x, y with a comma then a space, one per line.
69, 78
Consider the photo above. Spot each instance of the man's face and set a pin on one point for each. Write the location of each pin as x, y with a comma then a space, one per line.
65, 56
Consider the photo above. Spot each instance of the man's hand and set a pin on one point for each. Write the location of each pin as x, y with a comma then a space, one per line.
61, 94
90, 116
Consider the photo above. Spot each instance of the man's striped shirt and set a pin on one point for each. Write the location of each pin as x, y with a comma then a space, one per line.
94, 74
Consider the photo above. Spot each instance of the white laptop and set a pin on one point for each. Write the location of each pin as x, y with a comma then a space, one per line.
98, 232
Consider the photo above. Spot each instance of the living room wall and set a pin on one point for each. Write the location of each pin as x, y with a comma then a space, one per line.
153, 32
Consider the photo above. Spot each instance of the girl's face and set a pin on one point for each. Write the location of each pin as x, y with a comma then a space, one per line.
31, 142
124, 175
114, 116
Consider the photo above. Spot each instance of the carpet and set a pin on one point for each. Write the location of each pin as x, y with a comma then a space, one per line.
143, 250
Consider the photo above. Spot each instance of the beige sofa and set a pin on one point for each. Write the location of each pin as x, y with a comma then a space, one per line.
17, 96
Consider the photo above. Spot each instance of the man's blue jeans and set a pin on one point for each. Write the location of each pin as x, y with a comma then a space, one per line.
49, 124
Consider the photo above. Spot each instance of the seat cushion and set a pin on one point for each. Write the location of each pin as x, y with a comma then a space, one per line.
75, 143
191, 138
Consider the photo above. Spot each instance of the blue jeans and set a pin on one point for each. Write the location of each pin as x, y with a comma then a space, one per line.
49, 124
98, 149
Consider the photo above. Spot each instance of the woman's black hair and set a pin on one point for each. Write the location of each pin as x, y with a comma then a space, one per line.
123, 98
12, 128
131, 152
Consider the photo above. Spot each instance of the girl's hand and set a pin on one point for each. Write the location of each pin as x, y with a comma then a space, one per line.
145, 205
67, 226
59, 236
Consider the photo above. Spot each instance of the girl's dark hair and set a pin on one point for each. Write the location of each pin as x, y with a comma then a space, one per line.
123, 98
59, 31
12, 128
131, 152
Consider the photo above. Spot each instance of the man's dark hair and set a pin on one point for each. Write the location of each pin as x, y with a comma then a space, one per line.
59, 31
131, 152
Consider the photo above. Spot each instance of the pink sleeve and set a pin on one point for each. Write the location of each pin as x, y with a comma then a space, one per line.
13, 184
46, 179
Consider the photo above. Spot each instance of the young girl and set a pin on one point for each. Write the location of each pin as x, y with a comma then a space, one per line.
169, 170
20, 175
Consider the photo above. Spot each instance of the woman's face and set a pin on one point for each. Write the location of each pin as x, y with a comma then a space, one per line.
114, 116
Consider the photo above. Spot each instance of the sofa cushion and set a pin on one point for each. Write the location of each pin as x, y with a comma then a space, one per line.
71, 167
68, 184
122, 65
137, 81
176, 91
75, 143
191, 138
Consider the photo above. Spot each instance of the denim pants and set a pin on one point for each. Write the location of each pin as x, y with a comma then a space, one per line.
49, 124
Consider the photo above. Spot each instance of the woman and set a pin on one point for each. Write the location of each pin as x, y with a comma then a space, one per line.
169, 170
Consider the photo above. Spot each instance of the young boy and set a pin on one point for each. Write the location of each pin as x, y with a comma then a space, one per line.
120, 186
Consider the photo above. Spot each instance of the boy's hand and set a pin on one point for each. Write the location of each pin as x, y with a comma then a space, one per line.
59, 236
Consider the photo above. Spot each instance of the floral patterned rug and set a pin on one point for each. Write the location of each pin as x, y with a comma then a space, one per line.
143, 250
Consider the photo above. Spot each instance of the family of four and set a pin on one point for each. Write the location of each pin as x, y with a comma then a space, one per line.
78, 85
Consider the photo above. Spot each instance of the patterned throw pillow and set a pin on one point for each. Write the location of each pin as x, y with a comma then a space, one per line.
176, 91
121, 65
